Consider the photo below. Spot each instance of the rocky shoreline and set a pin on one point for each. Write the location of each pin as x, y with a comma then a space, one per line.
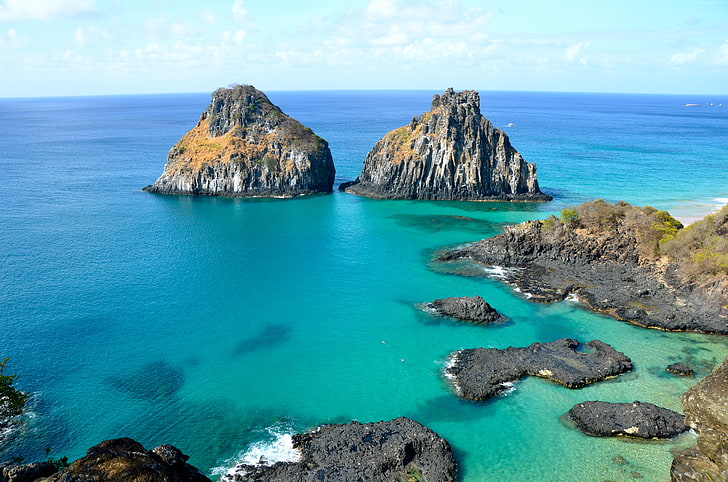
607, 269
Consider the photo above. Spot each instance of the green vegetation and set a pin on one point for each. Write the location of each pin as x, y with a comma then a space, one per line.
12, 400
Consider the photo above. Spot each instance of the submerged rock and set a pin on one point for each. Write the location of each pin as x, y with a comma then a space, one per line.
474, 309
481, 373
680, 369
244, 146
451, 152
641, 420
706, 412
399, 449
124, 459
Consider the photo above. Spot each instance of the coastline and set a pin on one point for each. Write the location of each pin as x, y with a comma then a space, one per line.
689, 211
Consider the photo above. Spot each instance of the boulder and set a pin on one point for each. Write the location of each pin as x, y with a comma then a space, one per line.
680, 369
640, 420
474, 309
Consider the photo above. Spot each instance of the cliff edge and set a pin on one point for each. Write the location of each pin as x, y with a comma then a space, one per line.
245, 146
451, 152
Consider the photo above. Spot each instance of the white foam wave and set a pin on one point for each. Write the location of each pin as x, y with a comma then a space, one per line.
449, 363
510, 387
499, 272
573, 297
263, 452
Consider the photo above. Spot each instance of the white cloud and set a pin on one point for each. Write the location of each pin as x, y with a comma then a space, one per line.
721, 56
381, 9
10, 39
15, 10
681, 58
239, 13
238, 37
574, 53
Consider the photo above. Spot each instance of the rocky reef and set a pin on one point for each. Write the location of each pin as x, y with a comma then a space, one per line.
706, 411
481, 373
640, 420
451, 152
637, 264
244, 146
465, 308
115, 460
680, 369
395, 450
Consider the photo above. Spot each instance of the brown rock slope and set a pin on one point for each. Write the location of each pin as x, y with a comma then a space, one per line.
244, 146
451, 152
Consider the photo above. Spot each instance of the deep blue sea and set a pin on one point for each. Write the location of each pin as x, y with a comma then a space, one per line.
222, 325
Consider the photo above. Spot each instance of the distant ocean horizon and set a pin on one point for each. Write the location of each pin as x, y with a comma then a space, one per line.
222, 326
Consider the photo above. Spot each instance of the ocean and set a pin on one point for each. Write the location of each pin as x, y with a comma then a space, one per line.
222, 326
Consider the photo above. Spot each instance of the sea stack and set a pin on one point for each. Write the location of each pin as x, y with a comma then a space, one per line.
451, 152
244, 146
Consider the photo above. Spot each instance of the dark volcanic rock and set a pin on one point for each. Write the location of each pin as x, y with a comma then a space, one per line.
607, 263
244, 146
451, 152
680, 369
11, 472
480, 373
126, 460
706, 412
399, 449
465, 308
642, 420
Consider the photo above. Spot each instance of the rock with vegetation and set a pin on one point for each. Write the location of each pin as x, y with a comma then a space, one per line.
451, 152
466, 308
637, 264
125, 459
706, 412
639, 420
244, 146
395, 450
680, 369
481, 373
12, 400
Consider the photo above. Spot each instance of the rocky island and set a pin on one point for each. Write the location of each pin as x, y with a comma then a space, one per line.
396, 450
481, 373
451, 152
465, 308
244, 146
638, 420
637, 264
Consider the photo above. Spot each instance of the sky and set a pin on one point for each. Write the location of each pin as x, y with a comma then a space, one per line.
93, 47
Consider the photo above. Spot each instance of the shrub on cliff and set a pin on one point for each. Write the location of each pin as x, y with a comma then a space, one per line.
12, 400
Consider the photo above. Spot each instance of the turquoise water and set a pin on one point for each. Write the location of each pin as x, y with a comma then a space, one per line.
215, 324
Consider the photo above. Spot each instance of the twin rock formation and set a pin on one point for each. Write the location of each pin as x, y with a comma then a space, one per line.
244, 146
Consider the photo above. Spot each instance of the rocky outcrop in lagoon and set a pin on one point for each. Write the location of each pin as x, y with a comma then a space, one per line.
706, 412
451, 152
395, 450
639, 420
481, 373
244, 146
637, 264
680, 369
465, 308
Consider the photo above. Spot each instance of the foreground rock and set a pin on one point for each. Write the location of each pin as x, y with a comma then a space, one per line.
636, 264
12, 472
641, 420
124, 459
244, 146
481, 373
706, 412
399, 449
474, 309
451, 152
680, 369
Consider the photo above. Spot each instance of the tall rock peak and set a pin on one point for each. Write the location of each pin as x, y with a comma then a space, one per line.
451, 152
245, 146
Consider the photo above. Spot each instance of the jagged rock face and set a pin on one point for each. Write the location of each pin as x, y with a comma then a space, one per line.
706, 411
244, 146
451, 152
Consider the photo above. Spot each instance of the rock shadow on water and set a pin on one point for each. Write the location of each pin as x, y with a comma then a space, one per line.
271, 336
154, 381
433, 223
